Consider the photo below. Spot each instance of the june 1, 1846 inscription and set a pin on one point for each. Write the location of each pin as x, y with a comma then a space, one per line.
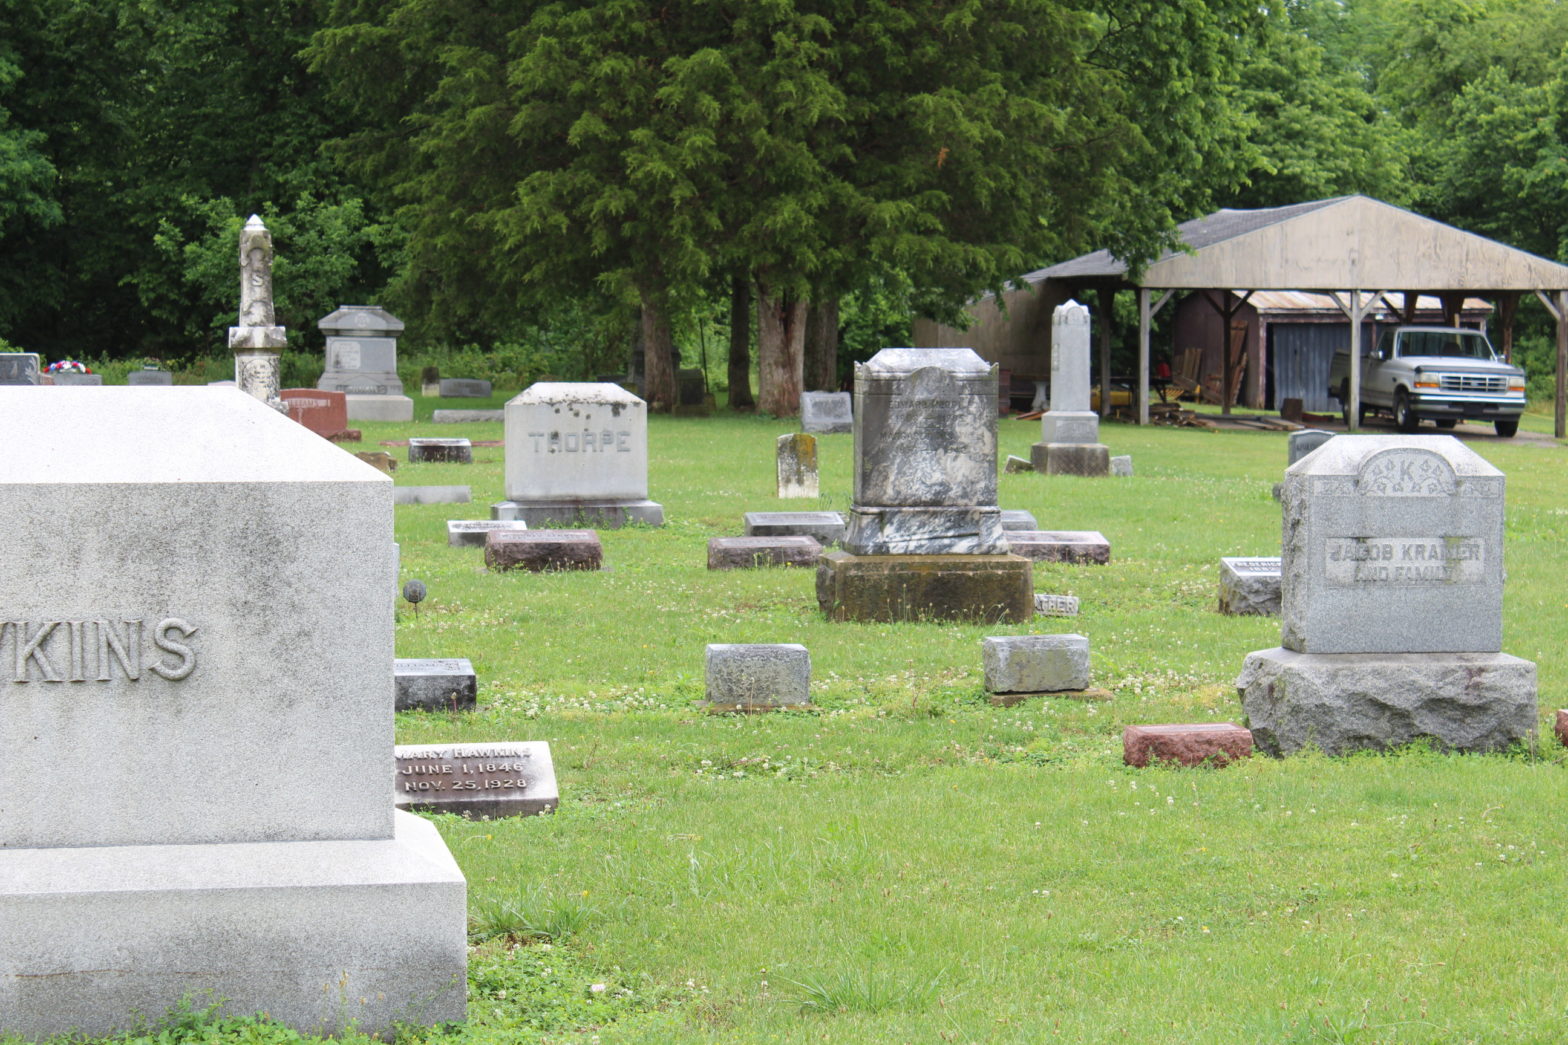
476, 780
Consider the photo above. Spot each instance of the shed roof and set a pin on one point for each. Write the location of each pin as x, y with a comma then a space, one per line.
1343, 243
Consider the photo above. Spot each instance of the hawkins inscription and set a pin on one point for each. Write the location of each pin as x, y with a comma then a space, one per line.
96, 650
1400, 561
464, 769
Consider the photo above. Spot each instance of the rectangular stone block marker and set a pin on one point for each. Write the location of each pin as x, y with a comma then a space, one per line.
826, 412
445, 451
577, 454
744, 553
473, 533
1036, 663
464, 388
1250, 586
1186, 744
1085, 547
540, 550
825, 527
432, 494
482, 781
202, 630
757, 676
435, 685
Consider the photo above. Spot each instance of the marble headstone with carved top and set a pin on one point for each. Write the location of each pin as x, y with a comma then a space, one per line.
362, 362
1391, 603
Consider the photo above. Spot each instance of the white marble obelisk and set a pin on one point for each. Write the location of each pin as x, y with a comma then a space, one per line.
258, 340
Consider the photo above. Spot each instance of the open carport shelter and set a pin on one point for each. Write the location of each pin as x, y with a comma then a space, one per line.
1354, 249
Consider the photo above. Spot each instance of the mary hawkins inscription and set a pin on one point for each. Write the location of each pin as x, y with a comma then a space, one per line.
96, 650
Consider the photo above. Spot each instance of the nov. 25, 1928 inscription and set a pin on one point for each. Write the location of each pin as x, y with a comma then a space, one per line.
96, 649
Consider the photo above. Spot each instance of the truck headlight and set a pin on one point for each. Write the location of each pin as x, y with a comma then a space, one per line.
1516, 384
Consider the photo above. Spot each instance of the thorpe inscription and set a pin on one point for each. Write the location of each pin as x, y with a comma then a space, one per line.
1414, 561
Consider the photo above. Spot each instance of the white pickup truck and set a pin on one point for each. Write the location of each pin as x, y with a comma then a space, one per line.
1440, 374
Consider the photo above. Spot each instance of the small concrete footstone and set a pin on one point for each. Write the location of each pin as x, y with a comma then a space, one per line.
464, 388
379, 407
431, 494
1186, 744
446, 451
458, 417
757, 676
540, 550
434, 685
1090, 459
1055, 605
1560, 727
480, 781
608, 515
1036, 663
983, 588
1250, 586
471, 533
1083, 547
1121, 465
1016, 464
1341, 702
1018, 519
744, 553
827, 528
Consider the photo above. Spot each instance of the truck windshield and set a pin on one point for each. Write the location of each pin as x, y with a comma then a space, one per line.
1452, 344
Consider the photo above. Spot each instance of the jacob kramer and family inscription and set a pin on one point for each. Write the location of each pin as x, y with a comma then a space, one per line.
88, 650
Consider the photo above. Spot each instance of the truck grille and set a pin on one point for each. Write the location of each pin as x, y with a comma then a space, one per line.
1473, 383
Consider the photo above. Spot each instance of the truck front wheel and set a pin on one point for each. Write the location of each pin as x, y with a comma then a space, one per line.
1405, 418
1507, 429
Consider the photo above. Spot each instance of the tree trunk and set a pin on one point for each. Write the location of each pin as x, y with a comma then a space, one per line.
658, 374
740, 346
781, 343
821, 366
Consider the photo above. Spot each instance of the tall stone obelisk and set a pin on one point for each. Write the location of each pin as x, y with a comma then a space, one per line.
258, 340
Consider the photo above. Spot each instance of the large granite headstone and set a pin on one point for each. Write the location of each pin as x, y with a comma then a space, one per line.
19, 368
197, 727
1391, 605
362, 362
924, 534
577, 455
1070, 431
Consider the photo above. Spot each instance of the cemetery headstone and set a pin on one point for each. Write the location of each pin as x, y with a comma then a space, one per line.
924, 535
1018, 519
826, 413
431, 494
744, 553
541, 550
825, 527
1186, 744
1070, 431
149, 378
797, 465
1121, 465
1084, 547
323, 412
1036, 663
1016, 464
1302, 443
362, 362
148, 661
430, 381
1391, 606
757, 676
440, 451
464, 388
434, 684
482, 781
472, 533
19, 368
1250, 586
577, 453
71, 378
461, 417
257, 343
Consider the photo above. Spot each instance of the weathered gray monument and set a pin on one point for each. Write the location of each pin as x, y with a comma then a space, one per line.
196, 727
1392, 622
362, 363
1070, 431
258, 341
924, 537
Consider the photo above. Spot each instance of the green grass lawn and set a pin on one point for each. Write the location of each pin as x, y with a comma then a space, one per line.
909, 864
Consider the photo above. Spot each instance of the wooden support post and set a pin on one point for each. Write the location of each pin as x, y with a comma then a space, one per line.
1560, 422
1107, 303
1145, 317
1507, 308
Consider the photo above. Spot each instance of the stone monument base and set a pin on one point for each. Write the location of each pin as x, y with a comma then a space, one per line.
379, 408
604, 515
925, 531
1068, 458
1344, 701
320, 935
987, 588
